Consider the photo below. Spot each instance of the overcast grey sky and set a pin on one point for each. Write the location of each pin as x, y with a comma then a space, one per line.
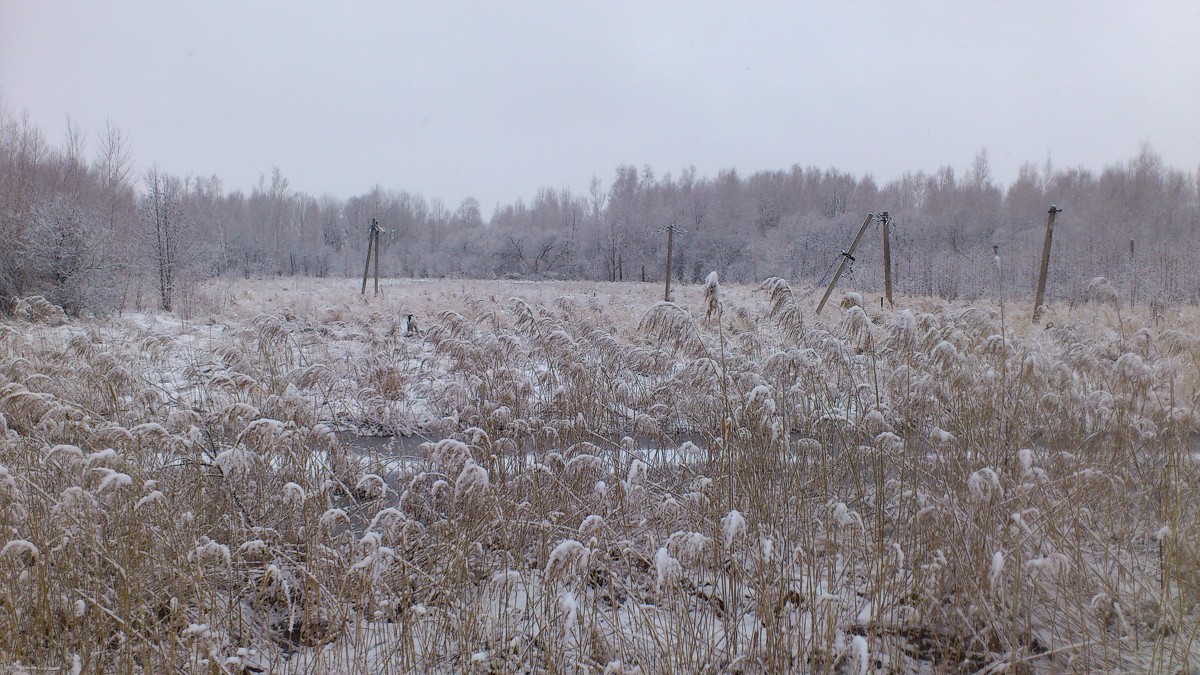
496, 99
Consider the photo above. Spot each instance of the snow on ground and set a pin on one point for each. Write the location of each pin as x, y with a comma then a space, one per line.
591, 480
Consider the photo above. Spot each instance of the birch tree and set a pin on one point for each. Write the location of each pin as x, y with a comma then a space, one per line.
164, 218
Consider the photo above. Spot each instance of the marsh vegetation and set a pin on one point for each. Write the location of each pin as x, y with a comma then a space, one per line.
941, 487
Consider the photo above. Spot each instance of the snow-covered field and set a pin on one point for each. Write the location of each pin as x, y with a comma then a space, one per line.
607, 483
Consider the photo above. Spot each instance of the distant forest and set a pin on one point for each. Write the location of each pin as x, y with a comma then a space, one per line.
80, 226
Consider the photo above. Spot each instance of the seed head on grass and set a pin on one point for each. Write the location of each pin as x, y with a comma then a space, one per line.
672, 326
569, 558
712, 296
666, 568
472, 479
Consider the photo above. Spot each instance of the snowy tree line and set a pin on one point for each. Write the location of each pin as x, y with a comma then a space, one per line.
82, 227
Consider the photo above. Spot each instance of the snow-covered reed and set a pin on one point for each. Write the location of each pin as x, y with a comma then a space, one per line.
722, 483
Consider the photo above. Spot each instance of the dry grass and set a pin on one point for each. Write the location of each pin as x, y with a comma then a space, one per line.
729, 484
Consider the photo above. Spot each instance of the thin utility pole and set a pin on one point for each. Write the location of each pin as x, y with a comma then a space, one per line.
887, 257
847, 256
1133, 277
670, 250
1041, 287
375, 229
372, 245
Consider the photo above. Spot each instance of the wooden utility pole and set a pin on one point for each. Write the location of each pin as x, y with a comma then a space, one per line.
1133, 279
847, 256
372, 245
670, 250
1041, 287
375, 228
887, 257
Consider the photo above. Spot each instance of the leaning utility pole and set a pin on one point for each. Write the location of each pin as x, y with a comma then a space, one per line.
847, 256
375, 224
372, 245
1041, 287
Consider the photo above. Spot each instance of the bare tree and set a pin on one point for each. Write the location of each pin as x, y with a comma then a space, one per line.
166, 231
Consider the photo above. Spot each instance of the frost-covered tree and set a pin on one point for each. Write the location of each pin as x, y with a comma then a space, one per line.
167, 234
792, 223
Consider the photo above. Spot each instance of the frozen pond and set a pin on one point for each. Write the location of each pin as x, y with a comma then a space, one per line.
682, 449
685, 449
386, 446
